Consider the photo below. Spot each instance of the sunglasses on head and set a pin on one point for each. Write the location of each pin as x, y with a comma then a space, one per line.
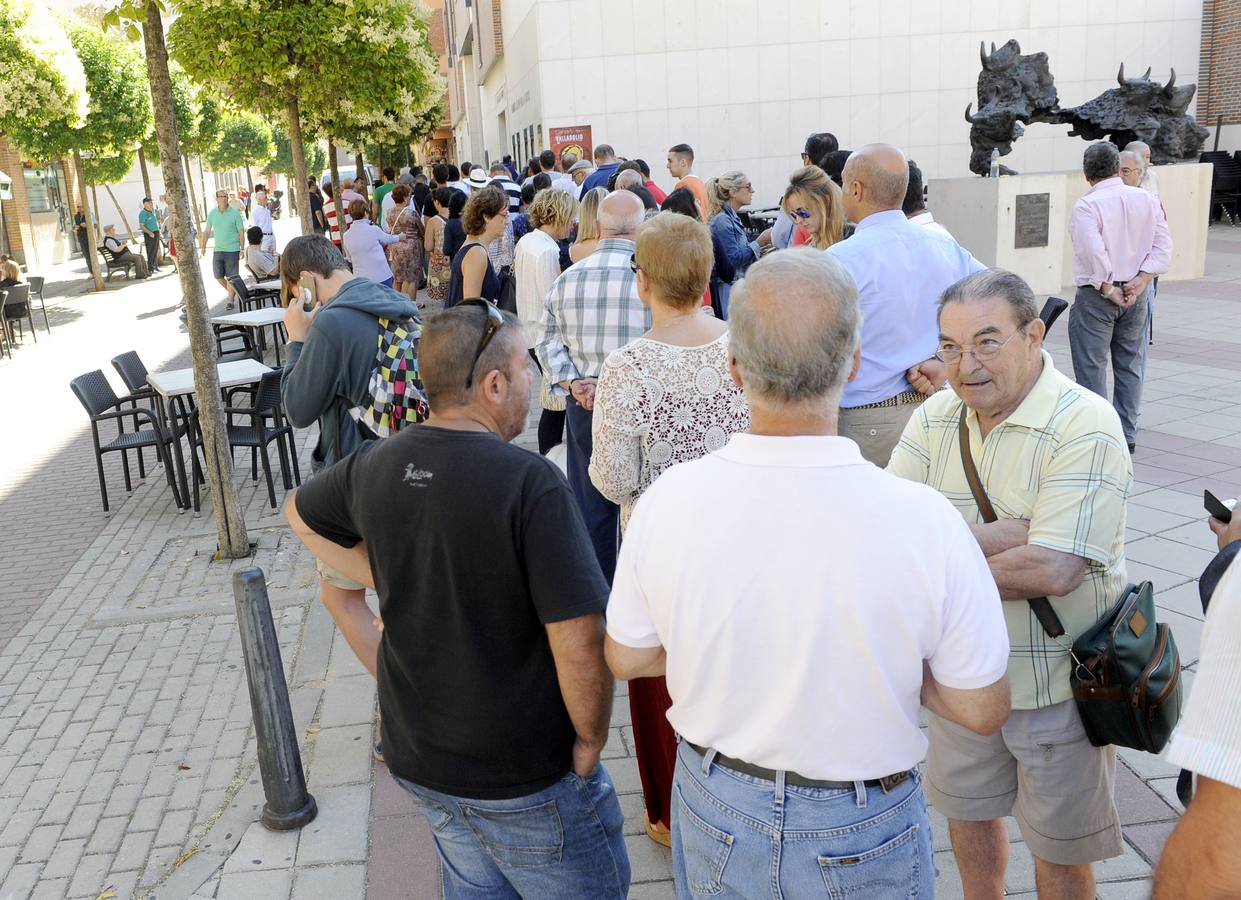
495, 321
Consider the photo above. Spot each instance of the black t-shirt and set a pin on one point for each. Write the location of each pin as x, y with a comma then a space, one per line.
475, 545
316, 206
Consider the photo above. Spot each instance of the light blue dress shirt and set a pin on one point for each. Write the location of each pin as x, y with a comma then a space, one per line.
901, 269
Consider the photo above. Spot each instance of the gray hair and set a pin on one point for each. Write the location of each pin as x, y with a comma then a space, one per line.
795, 325
1101, 160
1133, 157
627, 179
991, 283
1141, 148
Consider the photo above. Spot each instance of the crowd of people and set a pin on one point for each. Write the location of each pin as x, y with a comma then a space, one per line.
767, 525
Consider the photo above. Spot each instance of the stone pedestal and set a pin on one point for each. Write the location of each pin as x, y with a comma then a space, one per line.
1020, 222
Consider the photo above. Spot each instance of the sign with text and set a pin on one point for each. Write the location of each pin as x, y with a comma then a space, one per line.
575, 139
1033, 221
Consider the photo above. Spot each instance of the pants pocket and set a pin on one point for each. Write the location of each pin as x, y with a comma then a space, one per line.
436, 815
705, 849
889, 870
520, 838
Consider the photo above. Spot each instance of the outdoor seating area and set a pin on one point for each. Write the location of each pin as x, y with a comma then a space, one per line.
17, 308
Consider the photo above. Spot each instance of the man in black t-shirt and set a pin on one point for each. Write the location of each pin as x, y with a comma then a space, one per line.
494, 695
318, 221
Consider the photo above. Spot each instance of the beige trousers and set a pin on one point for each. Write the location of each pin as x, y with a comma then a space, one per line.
876, 430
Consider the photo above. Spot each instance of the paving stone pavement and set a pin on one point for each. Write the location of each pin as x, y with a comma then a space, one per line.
126, 750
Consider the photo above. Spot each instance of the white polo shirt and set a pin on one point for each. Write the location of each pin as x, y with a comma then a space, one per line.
797, 589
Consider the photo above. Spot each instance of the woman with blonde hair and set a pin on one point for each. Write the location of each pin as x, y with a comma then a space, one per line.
663, 399
815, 204
727, 194
536, 264
587, 225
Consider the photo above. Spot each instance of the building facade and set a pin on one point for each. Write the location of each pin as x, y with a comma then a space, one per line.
744, 81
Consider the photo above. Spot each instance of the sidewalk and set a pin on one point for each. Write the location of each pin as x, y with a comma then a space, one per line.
126, 749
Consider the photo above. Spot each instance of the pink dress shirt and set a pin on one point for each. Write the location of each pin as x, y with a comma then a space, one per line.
1118, 231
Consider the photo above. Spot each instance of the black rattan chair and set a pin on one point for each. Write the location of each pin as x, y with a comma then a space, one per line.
233, 342
102, 404
248, 297
16, 306
266, 424
4, 329
36, 290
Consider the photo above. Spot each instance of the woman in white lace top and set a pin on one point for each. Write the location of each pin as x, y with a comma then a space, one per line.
663, 399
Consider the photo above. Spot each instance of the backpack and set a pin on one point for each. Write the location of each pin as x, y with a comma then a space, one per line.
394, 397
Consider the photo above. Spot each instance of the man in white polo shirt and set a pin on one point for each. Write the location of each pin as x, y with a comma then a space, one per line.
797, 663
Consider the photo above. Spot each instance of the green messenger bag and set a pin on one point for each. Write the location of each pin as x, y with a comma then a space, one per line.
1127, 675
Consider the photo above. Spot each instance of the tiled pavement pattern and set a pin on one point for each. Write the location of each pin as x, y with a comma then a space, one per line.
125, 745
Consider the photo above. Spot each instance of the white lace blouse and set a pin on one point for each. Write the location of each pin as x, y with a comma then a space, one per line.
657, 405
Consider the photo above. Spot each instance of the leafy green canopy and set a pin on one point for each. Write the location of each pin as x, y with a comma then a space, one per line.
282, 162
41, 78
245, 140
119, 114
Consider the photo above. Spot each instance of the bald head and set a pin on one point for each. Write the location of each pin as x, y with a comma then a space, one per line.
794, 325
620, 214
875, 179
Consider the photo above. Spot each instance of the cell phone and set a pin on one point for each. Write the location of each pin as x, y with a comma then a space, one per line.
1219, 509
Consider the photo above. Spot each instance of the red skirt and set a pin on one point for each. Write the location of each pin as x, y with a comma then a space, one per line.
655, 744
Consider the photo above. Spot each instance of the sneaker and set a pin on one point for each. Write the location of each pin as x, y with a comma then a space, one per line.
378, 751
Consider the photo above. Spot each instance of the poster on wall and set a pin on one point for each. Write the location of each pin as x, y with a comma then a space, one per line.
573, 139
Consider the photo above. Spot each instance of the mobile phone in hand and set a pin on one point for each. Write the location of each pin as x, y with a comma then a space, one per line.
1219, 509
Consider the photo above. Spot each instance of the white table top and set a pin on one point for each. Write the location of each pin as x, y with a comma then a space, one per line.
179, 382
268, 315
270, 284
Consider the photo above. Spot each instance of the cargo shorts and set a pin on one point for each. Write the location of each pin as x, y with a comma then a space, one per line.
1039, 768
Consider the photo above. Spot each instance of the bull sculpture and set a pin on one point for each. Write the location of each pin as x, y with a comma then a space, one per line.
1014, 88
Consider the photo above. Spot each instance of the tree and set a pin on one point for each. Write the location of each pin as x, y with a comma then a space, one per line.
118, 114
301, 75
188, 114
41, 77
245, 140
231, 535
282, 162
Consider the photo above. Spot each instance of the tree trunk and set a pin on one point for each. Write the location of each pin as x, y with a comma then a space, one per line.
202, 183
301, 186
94, 195
120, 212
189, 180
360, 167
94, 263
379, 160
249, 183
146, 176
229, 517
340, 209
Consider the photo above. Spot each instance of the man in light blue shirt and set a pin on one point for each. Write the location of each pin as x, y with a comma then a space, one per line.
901, 269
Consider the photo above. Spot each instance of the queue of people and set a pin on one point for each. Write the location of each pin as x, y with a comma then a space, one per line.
766, 494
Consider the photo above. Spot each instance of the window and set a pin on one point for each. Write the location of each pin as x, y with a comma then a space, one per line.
41, 189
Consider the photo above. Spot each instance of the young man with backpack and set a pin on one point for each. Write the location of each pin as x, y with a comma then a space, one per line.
332, 376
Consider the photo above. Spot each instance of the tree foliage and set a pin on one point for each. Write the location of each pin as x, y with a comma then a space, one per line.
245, 140
282, 162
109, 168
187, 110
119, 113
41, 77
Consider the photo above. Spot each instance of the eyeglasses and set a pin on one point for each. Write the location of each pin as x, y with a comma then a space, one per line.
495, 321
800, 213
987, 348
633, 263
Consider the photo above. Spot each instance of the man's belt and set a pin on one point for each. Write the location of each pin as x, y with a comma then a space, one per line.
901, 399
887, 782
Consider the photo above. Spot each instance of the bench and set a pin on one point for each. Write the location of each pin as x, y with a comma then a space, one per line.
114, 263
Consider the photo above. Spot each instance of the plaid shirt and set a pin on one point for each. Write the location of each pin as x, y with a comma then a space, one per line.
591, 310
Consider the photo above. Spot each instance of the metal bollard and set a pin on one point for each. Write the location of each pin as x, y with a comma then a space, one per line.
288, 804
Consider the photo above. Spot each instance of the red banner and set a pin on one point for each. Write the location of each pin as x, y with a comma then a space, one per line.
575, 138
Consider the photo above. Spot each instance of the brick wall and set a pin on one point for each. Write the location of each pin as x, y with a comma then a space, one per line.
495, 25
1219, 63
17, 210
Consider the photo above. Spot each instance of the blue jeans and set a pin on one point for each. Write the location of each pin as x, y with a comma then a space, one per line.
735, 836
562, 843
601, 515
1097, 327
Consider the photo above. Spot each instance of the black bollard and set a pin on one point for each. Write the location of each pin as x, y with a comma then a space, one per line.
288, 804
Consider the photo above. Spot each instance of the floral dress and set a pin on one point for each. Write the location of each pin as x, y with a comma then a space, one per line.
657, 405
405, 257
439, 268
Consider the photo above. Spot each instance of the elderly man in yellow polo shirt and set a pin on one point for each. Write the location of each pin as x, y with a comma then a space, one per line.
1051, 457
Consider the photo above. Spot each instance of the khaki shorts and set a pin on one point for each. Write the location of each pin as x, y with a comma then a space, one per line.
338, 579
1039, 768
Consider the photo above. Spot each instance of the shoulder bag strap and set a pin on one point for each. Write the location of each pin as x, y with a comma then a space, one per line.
1040, 605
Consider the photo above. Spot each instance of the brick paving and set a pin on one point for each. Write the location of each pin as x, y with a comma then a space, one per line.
126, 752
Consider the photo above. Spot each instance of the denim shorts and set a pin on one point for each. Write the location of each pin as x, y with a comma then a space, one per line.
564, 842
224, 263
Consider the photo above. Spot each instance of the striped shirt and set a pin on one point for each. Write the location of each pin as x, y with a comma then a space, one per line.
513, 190
1060, 462
591, 310
1208, 738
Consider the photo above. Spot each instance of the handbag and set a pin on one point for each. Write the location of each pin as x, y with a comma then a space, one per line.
1126, 676
507, 300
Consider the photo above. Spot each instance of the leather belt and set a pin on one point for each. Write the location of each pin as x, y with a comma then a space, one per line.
887, 782
904, 397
